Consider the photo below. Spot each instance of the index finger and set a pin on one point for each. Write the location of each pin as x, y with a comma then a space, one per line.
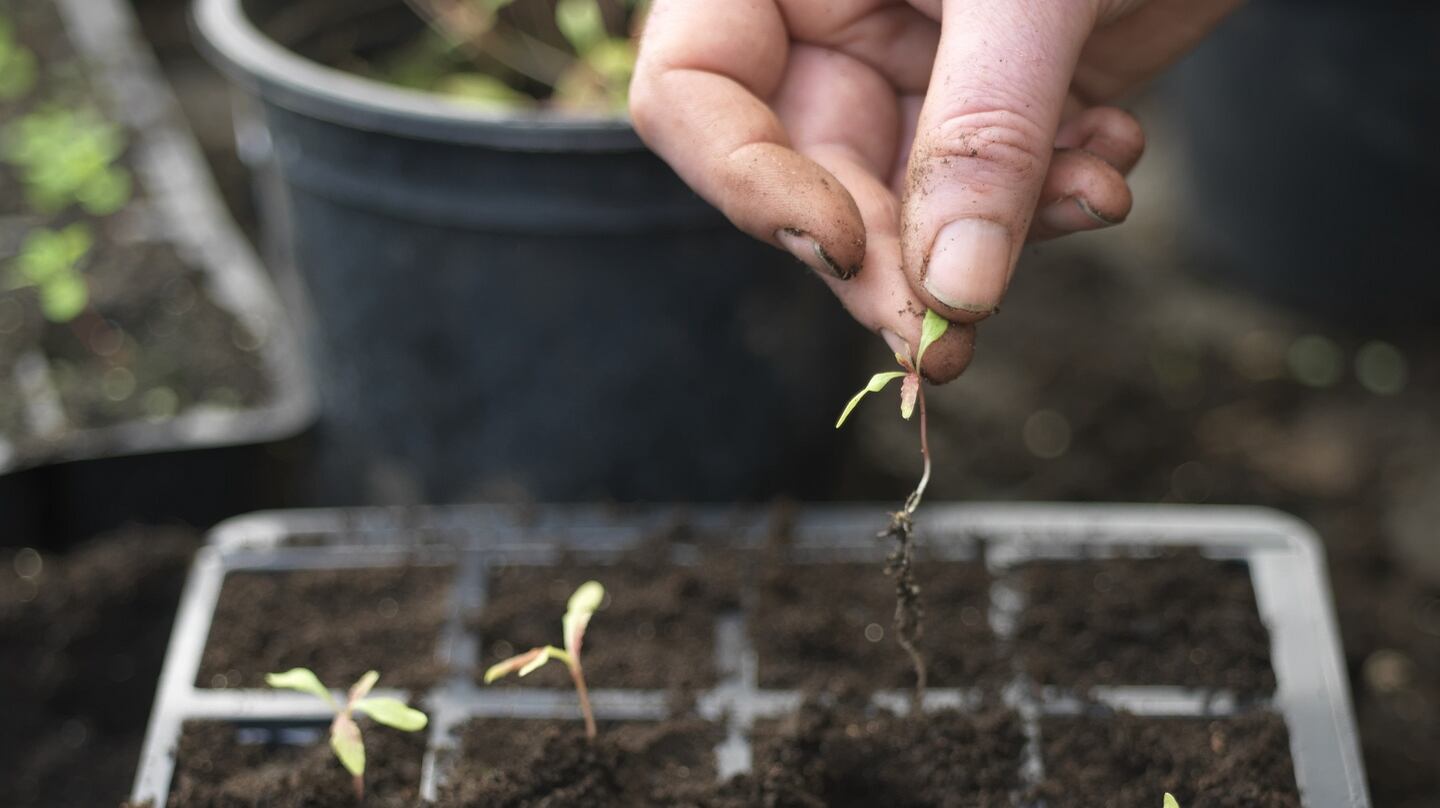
697, 100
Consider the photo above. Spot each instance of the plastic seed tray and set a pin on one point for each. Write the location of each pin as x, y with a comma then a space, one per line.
1283, 557
187, 213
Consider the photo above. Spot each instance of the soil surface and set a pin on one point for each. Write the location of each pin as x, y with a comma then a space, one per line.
338, 623
153, 342
1130, 762
82, 639
215, 767
504, 763
829, 627
847, 758
655, 630
1178, 620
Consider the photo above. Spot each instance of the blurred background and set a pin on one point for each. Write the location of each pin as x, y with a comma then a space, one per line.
495, 308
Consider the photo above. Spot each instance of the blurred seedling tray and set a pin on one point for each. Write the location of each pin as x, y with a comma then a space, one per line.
1281, 555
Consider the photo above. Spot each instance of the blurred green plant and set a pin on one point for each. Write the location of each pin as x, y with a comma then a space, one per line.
345, 738
49, 260
574, 55
68, 157
578, 612
1170, 801
18, 68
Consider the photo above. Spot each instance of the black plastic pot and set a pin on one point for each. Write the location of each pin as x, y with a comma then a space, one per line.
1283, 557
1311, 128
203, 464
523, 304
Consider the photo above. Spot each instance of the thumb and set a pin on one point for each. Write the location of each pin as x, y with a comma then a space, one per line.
983, 145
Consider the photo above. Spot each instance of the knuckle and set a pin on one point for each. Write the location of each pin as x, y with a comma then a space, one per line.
997, 142
644, 106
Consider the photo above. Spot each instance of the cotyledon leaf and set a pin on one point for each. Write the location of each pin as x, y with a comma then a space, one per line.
875, 385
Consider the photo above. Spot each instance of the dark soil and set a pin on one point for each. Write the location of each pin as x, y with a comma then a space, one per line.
1130, 762
1178, 620
338, 623
82, 640
215, 768
830, 627
505, 763
154, 342
656, 629
843, 758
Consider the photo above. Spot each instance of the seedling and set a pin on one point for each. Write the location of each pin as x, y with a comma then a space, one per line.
17, 65
1170, 801
900, 563
50, 261
577, 617
345, 738
592, 73
67, 157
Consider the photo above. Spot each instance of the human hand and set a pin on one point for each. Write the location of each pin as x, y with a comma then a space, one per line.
906, 149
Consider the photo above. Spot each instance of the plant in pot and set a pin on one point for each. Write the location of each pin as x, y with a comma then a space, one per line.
455, 176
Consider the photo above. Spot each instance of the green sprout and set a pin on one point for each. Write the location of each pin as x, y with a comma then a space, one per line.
900, 564
68, 157
1170, 801
50, 261
345, 738
581, 607
18, 68
588, 67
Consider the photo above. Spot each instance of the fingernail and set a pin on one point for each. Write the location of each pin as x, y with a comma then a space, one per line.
1072, 215
810, 253
969, 265
897, 345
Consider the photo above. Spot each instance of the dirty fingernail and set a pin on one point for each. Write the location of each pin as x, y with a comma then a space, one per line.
898, 345
810, 253
1072, 215
969, 265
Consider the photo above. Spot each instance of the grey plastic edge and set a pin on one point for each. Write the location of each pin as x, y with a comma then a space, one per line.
301, 85
1284, 554
125, 74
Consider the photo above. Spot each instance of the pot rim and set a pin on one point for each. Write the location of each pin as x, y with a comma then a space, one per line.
285, 78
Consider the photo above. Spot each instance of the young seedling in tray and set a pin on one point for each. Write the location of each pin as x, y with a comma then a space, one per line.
345, 737
581, 607
900, 563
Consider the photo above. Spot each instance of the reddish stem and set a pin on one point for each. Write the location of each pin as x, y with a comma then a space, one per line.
577, 675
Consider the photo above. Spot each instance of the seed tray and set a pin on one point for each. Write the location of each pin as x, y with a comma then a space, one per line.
1282, 554
185, 211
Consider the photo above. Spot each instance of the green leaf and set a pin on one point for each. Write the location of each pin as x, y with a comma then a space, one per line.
482, 90
348, 744
18, 71
582, 23
933, 328
392, 713
526, 663
363, 686
301, 679
875, 385
578, 611
1170, 801
106, 192
63, 297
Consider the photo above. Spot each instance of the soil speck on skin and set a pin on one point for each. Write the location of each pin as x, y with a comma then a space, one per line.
1180, 619
1126, 761
215, 768
331, 622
